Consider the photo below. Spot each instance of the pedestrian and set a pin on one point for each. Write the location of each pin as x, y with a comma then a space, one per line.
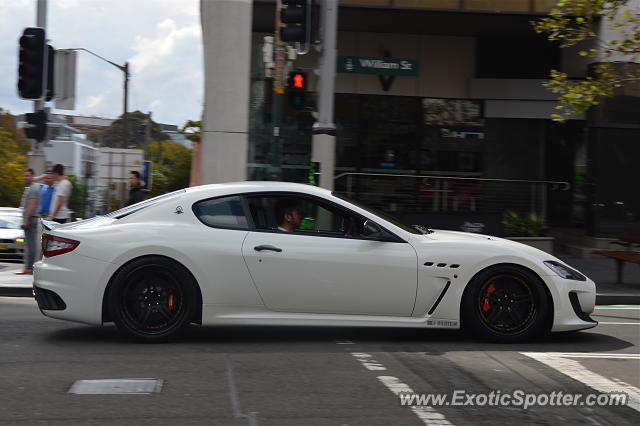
136, 188
29, 205
47, 190
59, 210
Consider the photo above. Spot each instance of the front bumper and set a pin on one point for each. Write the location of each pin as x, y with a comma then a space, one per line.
11, 249
573, 302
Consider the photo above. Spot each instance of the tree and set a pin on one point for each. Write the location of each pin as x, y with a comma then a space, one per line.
171, 166
13, 160
571, 23
137, 121
194, 134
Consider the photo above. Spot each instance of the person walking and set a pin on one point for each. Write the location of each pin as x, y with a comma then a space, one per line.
29, 205
136, 188
59, 210
47, 190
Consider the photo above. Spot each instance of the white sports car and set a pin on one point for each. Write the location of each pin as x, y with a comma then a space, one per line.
227, 254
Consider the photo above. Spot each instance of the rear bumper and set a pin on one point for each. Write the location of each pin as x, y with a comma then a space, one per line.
75, 281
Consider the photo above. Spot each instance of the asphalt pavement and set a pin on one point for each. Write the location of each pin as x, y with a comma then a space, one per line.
286, 376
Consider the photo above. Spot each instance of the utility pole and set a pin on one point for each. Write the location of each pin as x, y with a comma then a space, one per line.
125, 119
323, 148
125, 69
279, 48
36, 158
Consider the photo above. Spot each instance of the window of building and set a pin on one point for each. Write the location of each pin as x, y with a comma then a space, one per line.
516, 58
225, 212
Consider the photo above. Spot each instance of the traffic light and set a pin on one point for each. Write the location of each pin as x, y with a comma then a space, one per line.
50, 73
37, 128
31, 63
296, 88
297, 16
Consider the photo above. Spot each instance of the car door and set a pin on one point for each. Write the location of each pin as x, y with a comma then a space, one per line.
321, 268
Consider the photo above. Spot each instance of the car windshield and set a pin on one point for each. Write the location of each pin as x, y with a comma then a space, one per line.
10, 221
379, 213
143, 204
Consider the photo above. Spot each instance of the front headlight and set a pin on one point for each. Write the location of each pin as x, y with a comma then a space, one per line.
19, 240
564, 271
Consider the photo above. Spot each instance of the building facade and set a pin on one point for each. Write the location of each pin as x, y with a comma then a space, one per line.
466, 132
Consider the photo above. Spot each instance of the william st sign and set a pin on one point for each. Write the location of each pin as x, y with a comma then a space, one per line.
378, 66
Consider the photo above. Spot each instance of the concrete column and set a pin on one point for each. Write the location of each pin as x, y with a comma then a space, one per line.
226, 39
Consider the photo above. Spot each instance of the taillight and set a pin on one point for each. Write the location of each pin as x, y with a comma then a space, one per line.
53, 246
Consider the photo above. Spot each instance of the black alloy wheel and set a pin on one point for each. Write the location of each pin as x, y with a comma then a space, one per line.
152, 299
506, 304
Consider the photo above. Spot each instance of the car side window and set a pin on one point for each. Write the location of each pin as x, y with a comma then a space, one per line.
227, 212
289, 213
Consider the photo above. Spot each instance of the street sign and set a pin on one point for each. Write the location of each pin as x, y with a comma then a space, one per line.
65, 79
378, 66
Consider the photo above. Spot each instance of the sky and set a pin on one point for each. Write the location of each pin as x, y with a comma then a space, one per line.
161, 40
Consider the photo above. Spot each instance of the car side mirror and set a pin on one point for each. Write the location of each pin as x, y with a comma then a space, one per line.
372, 230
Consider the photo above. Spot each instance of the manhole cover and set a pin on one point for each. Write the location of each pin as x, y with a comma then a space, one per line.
116, 386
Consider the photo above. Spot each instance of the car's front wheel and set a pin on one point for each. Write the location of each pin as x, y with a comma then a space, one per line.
152, 299
506, 304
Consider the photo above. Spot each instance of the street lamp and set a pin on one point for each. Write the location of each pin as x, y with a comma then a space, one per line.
125, 69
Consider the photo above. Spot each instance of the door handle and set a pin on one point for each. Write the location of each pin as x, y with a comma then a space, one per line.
267, 247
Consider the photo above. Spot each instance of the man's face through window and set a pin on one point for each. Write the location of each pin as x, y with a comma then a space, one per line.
292, 219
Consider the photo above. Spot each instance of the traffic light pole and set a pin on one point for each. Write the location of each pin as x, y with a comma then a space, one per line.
36, 159
275, 172
323, 148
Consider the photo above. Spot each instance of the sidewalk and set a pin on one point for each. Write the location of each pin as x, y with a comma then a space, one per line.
15, 285
602, 271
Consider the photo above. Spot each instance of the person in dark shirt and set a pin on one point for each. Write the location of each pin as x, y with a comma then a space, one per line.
136, 188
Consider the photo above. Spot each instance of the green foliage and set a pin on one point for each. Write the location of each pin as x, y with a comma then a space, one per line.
112, 136
78, 196
520, 225
572, 22
171, 166
194, 130
13, 161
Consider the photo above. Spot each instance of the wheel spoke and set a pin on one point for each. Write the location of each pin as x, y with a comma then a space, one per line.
165, 312
145, 316
494, 314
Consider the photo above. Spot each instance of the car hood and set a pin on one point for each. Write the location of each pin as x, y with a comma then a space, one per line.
6, 234
488, 243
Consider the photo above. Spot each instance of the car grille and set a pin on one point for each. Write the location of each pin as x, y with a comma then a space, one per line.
6, 241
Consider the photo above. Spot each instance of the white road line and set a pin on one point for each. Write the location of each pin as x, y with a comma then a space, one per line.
561, 361
428, 415
618, 307
619, 323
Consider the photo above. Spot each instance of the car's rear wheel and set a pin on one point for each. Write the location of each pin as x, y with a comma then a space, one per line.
152, 299
506, 304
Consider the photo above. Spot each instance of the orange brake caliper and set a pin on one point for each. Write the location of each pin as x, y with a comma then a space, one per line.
486, 305
172, 301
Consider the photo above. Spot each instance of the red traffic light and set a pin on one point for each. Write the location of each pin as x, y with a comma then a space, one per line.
297, 81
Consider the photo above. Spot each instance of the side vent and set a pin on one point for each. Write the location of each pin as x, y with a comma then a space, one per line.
441, 265
428, 264
454, 266
435, 305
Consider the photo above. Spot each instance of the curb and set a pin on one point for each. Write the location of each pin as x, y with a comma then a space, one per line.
617, 299
16, 291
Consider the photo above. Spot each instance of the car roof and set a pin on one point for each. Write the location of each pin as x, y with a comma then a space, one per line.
258, 186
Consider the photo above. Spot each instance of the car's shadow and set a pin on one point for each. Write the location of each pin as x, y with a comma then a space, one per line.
333, 339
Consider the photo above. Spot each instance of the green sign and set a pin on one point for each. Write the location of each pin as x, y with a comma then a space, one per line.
378, 66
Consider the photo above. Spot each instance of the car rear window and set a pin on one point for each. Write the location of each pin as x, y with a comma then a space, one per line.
226, 212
